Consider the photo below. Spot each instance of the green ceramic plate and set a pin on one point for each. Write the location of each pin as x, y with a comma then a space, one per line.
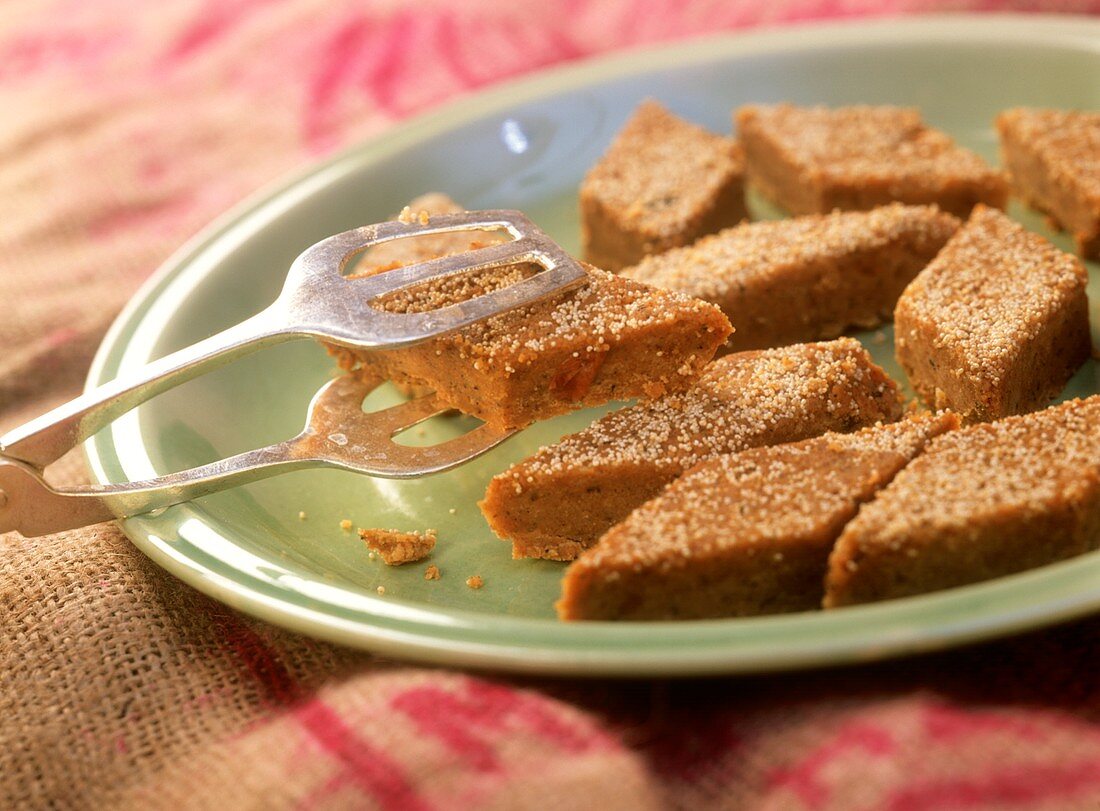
526, 145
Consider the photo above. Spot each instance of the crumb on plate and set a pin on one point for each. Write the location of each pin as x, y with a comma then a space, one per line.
397, 547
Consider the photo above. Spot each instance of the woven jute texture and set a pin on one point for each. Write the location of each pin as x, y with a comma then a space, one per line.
126, 128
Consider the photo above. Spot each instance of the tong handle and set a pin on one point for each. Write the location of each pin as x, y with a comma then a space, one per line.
316, 301
47, 438
338, 435
29, 505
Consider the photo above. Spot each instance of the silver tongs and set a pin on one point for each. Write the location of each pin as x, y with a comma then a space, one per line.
317, 301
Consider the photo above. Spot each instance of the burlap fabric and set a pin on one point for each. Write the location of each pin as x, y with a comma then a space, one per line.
126, 127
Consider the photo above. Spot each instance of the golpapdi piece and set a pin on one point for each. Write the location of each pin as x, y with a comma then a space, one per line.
560, 501
806, 278
816, 159
1053, 158
983, 502
608, 339
996, 324
662, 183
744, 534
398, 252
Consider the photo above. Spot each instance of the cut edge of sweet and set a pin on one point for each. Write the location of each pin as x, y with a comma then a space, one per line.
715, 570
931, 529
634, 471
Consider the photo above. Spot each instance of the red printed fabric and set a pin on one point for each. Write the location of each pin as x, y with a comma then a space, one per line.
126, 128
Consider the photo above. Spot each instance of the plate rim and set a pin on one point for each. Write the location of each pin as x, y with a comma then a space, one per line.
722, 652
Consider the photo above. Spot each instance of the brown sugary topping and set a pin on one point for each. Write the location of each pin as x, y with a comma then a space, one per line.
1017, 465
990, 290
1068, 141
861, 142
475, 582
761, 496
595, 316
660, 169
432, 573
592, 317
396, 547
756, 252
438, 293
737, 402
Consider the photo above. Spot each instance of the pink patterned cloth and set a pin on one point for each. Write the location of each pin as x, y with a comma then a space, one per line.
126, 128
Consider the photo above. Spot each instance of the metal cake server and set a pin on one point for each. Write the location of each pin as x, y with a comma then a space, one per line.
317, 301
